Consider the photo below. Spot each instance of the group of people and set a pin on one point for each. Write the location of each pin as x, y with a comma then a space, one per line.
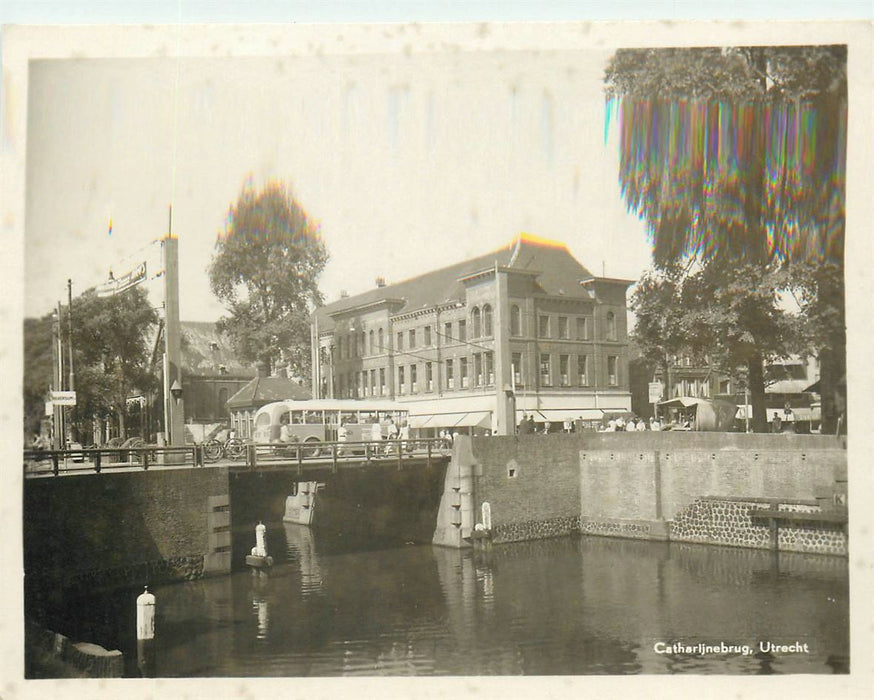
616, 425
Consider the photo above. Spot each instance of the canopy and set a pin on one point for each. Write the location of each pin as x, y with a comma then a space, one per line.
682, 402
473, 419
710, 414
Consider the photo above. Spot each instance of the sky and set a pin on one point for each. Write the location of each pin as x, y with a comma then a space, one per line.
409, 161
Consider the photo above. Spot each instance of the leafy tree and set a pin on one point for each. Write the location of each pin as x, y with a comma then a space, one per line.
737, 156
110, 355
730, 314
265, 269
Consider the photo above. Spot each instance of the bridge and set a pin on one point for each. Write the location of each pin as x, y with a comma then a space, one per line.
307, 461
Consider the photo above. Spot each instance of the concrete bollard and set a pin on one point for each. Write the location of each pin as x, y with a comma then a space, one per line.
260, 549
146, 634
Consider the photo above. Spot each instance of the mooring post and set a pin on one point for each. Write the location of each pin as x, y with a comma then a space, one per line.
146, 634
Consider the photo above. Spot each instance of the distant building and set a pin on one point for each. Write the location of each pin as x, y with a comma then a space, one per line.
473, 346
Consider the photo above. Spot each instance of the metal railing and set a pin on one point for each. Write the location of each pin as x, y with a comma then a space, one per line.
272, 455
78, 461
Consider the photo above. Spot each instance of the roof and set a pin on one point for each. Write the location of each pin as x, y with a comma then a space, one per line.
558, 273
263, 390
205, 350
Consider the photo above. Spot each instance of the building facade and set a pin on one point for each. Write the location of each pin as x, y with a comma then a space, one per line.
473, 346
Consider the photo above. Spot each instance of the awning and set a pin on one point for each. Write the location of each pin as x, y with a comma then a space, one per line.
558, 415
473, 419
419, 421
682, 402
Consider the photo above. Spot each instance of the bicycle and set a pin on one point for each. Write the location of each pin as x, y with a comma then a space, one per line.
232, 448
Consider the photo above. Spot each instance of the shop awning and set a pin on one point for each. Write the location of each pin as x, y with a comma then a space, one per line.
461, 419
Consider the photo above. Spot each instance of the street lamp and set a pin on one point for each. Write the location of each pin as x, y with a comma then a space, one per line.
176, 390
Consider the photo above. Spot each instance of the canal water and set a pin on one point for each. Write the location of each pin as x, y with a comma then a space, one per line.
574, 605
581, 605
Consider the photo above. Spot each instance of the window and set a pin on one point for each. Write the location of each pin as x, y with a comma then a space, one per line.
475, 317
382, 381
583, 369
413, 381
462, 331
477, 369
373, 382
543, 328
563, 369
371, 350
515, 320
545, 374
427, 339
447, 330
412, 339
380, 348
582, 328
362, 343
487, 320
401, 379
612, 370
450, 380
611, 326
463, 372
400, 344
562, 327
517, 368
429, 376
490, 367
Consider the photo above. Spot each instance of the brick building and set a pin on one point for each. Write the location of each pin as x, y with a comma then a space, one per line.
472, 346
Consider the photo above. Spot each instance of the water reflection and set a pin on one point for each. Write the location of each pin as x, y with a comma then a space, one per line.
563, 606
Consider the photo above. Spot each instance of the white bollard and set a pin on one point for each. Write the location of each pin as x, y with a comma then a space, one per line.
260, 540
146, 615
146, 634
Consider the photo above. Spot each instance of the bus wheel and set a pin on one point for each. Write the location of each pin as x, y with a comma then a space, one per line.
311, 450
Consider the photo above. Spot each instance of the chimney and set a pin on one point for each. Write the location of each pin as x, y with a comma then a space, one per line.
343, 294
380, 282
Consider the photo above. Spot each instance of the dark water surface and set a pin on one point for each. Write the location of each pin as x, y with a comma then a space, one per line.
563, 606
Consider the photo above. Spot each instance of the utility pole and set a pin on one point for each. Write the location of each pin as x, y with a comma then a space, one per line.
56, 381
71, 386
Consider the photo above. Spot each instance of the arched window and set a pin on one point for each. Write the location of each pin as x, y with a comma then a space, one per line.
379, 337
372, 349
487, 320
611, 326
515, 320
475, 318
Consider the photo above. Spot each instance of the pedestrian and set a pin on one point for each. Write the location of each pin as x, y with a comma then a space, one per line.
342, 435
405, 436
376, 431
568, 425
523, 425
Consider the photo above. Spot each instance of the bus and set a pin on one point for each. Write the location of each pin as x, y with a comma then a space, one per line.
320, 420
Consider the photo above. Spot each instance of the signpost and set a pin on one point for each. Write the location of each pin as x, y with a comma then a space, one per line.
64, 398
655, 392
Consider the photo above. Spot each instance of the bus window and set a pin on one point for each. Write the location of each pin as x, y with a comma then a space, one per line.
263, 421
297, 417
284, 418
348, 417
313, 417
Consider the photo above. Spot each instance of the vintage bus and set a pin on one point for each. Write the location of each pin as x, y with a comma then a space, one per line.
320, 420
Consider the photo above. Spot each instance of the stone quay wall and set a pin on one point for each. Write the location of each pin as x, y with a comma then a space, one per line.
126, 528
678, 486
52, 655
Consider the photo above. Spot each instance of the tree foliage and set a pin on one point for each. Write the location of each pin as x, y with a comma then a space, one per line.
736, 158
111, 355
737, 152
729, 314
265, 270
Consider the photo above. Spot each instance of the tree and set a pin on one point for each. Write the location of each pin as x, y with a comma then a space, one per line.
728, 313
736, 156
265, 269
110, 356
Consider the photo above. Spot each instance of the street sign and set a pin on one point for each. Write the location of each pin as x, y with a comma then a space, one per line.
50, 408
64, 398
118, 284
655, 392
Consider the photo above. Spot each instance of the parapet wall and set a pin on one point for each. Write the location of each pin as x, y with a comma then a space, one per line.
636, 484
122, 528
